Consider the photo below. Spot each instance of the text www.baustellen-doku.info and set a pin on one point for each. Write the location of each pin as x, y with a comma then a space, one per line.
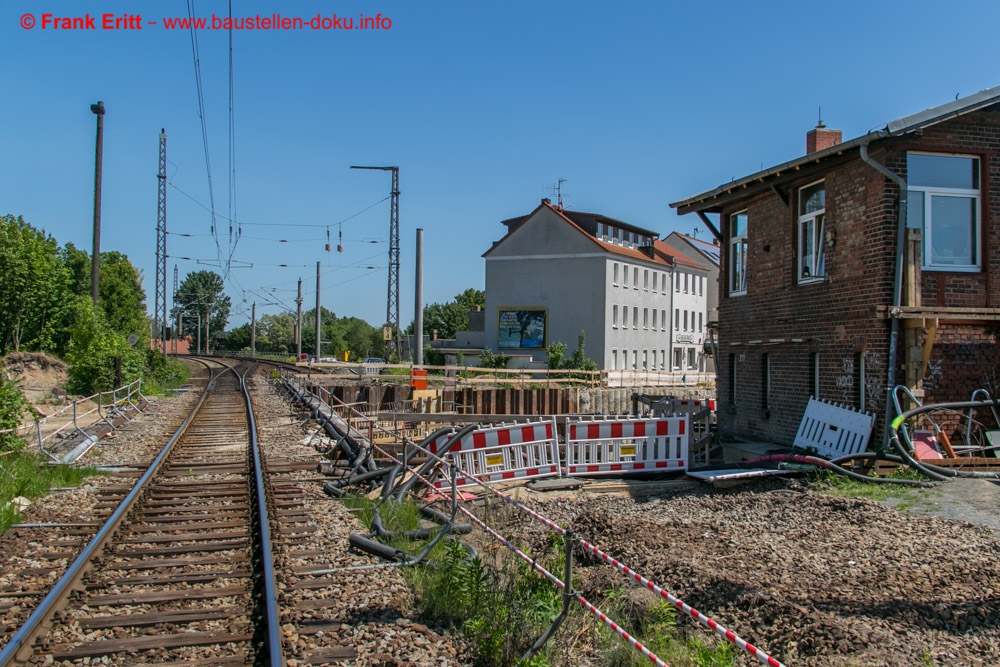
51, 21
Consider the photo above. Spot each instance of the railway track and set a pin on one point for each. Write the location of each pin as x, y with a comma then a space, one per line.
182, 570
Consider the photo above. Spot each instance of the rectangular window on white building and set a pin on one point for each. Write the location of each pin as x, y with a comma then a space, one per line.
645, 318
677, 283
677, 319
663, 283
645, 360
701, 322
692, 359
654, 319
625, 276
635, 317
663, 360
678, 358
685, 283
645, 279
685, 320
615, 281
635, 278
655, 273
663, 320
701, 286
614, 316
652, 361
614, 358
635, 358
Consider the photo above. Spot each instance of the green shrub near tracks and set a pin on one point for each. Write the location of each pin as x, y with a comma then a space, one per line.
26, 475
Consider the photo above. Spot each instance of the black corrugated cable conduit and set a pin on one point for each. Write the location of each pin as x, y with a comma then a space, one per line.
933, 471
828, 465
424, 469
358, 456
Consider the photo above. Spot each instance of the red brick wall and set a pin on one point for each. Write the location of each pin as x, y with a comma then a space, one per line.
839, 317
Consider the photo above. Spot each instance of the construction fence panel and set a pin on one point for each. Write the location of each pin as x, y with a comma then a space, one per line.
510, 451
834, 430
613, 446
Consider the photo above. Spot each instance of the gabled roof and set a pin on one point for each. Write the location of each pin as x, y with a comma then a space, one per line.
711, 200
678, 258
661, 253
711, 251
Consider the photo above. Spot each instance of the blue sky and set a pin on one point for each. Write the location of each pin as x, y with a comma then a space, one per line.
483, 105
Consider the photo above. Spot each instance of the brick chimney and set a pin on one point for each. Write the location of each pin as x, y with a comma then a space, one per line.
820, 137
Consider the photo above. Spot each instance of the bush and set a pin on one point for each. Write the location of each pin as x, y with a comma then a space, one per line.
92, 351
13, 406
23, 474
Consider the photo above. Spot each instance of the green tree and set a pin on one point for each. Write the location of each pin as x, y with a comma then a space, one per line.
201, 293
121, 297
236, 339
556, 352
276, 333
92, 351
13, 406
31, 299
447, 318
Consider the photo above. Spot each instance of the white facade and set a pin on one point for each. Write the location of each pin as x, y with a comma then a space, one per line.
689, 330
568, 272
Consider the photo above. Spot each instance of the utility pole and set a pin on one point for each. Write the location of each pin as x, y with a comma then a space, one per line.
298, 324
392, 302
95, 261
160, 301
418, 303
317, 312
177, 335
253, 331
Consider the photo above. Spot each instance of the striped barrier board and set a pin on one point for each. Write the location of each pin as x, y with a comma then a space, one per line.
499, 453
611, 446
834, 430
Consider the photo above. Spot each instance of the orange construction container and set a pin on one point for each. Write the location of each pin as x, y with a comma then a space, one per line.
418, 378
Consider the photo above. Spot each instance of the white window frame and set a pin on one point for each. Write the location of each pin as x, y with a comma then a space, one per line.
678, 361
635, 278
663, 319
635, 317
664, 286
655, 274
663, 360
816, 222
692, 359
614, 358
645, 280
625, 276
739, 242
930, 191
645, 318
654, 319
614, 316
677, 319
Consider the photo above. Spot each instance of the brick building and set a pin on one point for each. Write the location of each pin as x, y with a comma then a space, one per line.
862, 265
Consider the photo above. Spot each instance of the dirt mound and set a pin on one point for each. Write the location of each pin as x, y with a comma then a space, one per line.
42, 378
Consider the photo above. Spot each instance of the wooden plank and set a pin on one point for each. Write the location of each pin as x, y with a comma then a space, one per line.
155, 563
184, 523
200, 578
324, 656
132, 644
143, 620
185, 537
153, 597
313, 627
166, 551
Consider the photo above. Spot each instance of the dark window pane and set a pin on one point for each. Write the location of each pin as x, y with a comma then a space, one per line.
812, 198
738, 224
942, 171
915, 209
953, 227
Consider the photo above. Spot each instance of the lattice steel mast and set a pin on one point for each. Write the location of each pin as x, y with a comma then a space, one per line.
160, 301
392, 302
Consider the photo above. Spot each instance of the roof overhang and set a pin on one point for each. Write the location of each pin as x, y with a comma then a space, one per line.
713, 201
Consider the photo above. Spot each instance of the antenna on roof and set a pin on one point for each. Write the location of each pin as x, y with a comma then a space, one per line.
819, 119
557, 191
695, 233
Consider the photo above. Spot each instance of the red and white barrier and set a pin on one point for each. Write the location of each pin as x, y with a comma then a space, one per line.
499, 453
611, 446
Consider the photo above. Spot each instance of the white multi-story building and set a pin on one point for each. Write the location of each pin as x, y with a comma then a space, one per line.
558, 272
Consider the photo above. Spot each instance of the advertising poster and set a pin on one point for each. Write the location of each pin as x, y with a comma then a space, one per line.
522, 329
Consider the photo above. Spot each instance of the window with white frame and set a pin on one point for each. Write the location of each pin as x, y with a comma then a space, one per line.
614, 358
663, 283
655, 273
663, 360
685, 321
678, 358
614, 316
645, 360
677, 319
692, 359
645, 279
600, 230
619, 238
738, 253
635, 278
701, 286
701, 322
654, 319
615, 280
685, 283
812, 241
635, 317
652, 361
677, 283
943, 200
625, 275
645, 318
635, 358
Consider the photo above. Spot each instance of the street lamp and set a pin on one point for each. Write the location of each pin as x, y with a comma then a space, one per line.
95, 261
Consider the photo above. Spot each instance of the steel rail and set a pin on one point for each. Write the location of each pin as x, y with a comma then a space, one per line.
20, 646
271, 618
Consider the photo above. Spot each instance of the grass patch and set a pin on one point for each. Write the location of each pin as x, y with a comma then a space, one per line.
26, 475
839, 486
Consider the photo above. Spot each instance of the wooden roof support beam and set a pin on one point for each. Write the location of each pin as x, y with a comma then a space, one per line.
782, 195
712, 228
